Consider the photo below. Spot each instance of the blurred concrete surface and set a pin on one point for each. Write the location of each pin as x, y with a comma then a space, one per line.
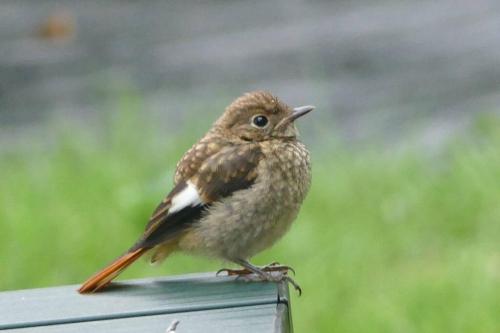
380, 70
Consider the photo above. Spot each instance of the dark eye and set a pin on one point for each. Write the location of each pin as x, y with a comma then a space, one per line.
260, 121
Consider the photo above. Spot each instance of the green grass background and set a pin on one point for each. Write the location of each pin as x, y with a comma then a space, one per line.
386, 241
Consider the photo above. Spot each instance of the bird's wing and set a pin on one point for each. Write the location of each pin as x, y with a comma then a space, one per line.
231, 169
219, 175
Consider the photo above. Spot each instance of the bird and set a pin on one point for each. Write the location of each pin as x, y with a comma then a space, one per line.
236, 192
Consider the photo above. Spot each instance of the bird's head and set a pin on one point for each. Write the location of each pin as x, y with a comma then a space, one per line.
260, 116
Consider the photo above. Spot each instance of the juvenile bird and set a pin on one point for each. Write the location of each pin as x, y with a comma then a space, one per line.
235, 193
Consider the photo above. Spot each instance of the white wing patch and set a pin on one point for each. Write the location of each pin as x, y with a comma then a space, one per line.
188, 197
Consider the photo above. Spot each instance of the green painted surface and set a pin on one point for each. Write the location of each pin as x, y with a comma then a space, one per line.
198, 301
257, 318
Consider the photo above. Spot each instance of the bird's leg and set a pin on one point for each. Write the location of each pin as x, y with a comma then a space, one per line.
273, 272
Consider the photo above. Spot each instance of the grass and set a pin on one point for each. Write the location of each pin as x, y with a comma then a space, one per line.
385, 242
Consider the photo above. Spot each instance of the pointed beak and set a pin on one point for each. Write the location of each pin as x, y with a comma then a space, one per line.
296, 113
300, 111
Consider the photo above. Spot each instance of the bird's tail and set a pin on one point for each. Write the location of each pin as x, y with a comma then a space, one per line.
103, 277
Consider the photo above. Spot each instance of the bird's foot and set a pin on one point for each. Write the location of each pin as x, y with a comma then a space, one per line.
271, 276
272, 267
273, 272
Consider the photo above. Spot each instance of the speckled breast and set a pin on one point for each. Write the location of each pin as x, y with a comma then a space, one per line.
253, 219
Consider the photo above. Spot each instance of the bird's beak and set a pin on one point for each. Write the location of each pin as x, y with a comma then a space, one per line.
296, 113
300, 111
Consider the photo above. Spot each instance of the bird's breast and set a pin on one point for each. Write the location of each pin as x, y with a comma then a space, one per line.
252, 219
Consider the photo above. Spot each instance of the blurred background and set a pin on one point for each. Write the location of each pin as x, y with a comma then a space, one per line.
401, 230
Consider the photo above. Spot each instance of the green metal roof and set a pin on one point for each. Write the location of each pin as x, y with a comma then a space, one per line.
201, 303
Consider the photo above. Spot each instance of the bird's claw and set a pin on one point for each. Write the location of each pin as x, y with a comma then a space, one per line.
293, 283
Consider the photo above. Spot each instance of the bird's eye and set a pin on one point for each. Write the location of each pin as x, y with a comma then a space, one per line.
259, 121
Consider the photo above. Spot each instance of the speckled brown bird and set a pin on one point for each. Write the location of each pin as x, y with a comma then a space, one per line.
236, 192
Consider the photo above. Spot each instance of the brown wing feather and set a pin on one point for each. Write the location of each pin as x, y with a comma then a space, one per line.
233, 168
193, 159
161, 211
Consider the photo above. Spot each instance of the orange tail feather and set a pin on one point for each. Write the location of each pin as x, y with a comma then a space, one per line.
104, 277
